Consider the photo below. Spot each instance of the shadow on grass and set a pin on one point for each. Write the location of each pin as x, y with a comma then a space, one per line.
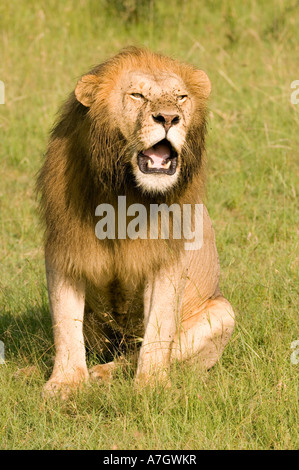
27, 336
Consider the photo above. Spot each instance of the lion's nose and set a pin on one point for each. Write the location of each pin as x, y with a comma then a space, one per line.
167, 120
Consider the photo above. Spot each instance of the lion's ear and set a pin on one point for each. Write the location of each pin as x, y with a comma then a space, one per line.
85, 89
203, 82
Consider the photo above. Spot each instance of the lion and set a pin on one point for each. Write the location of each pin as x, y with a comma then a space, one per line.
134, 127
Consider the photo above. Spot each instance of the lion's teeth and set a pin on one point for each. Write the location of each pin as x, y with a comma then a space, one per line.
149, 164
167, 165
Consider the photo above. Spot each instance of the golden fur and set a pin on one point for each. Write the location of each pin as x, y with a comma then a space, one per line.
90, 161
88, 155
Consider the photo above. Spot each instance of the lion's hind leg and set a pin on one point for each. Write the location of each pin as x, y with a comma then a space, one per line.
103, 372
110, 349
204, 333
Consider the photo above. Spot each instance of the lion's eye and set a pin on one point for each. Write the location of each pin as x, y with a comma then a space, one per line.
137, 96
182, 98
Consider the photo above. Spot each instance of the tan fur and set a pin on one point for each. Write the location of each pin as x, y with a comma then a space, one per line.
127, 288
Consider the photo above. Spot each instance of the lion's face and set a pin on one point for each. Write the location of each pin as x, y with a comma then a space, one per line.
155, 115
153, 108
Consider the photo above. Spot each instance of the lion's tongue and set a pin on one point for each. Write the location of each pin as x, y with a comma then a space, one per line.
158, 154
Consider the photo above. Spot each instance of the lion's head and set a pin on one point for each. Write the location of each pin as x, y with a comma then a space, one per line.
146, 118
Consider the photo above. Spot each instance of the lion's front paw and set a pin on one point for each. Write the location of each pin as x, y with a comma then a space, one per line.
57, 389
63, 385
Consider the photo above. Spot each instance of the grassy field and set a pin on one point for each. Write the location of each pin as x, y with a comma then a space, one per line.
250, 51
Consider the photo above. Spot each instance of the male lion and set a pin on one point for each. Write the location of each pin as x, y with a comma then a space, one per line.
135, 127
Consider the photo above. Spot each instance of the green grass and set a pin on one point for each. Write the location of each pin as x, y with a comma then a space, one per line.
250, 399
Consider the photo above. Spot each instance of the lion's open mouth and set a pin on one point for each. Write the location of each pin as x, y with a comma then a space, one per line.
160, 158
